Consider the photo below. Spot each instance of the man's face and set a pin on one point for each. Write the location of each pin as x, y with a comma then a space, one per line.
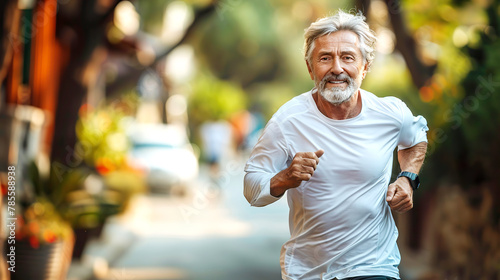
337, 66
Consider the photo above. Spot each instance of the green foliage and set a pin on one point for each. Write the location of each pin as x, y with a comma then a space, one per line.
471, 135
152, 12
97, 182
453, 37
241, 31
101, 136
269, 97
213, 100
42, 224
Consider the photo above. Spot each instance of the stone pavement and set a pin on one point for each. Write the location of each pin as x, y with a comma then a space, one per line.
212, 233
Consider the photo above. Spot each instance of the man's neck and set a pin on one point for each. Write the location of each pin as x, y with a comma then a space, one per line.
346, 110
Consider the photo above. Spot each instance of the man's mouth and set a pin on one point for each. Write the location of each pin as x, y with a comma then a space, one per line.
336, 82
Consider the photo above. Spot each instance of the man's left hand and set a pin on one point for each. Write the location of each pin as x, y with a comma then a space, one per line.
400, 195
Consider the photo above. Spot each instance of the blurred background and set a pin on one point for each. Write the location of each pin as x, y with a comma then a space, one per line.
129, 124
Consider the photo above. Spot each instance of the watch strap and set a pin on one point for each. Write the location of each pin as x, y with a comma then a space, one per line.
412, 177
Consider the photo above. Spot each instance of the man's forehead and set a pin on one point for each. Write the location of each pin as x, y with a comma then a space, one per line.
344, 38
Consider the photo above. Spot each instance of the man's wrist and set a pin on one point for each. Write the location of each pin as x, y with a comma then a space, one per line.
412, 178
276, 187
277, 192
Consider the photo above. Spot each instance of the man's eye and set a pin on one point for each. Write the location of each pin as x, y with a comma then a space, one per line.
325, 58
349, 58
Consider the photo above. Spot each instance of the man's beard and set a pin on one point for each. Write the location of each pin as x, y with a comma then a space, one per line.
336, 95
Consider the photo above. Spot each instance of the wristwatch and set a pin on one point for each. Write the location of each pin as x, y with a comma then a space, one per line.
412, 177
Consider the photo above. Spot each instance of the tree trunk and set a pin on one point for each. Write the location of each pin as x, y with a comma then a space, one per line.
132, 75
363, 6
406, 45
90, 30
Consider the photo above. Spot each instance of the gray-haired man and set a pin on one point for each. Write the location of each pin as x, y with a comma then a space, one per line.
331, 151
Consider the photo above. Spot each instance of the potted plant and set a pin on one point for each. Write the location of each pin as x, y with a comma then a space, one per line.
43, 242
103, 182
40, 241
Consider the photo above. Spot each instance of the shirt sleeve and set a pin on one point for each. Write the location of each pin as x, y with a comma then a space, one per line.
268, 157
413, 130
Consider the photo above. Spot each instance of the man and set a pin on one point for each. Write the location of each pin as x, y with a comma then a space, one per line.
331, 151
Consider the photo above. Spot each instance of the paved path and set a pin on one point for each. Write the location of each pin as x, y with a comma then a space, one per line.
211, 234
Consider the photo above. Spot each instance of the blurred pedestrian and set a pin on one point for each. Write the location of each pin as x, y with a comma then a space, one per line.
331, 151
217, 139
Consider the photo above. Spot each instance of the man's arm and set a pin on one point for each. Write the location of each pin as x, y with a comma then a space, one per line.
400, 193
268, 157
260, 189
301, 169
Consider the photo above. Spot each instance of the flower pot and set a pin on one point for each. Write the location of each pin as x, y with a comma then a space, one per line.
47, 262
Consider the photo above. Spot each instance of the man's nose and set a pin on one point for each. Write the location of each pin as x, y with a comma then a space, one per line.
337, 68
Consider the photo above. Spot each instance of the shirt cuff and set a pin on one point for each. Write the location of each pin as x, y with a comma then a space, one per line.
265, 196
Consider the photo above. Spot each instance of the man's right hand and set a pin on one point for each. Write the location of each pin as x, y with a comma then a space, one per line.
302, 169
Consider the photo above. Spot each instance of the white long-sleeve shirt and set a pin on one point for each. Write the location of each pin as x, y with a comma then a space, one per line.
340, 223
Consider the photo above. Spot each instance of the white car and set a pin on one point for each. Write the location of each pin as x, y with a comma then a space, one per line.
165, 153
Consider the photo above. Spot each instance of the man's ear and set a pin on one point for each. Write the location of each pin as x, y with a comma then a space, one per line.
365, 70
310, 70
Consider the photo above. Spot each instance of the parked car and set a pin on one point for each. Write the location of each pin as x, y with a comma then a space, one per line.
166, 155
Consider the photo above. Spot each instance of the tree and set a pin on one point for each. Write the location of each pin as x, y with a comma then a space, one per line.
84, 36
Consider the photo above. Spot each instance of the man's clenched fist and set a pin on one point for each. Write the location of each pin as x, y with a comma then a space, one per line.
400, 195
301, 169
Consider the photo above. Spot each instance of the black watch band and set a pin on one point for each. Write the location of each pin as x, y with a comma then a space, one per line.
412, 177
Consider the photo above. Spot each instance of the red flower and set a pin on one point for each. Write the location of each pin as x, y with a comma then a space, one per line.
34, 242
49, 236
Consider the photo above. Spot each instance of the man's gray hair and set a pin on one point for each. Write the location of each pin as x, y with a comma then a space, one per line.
342, 21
